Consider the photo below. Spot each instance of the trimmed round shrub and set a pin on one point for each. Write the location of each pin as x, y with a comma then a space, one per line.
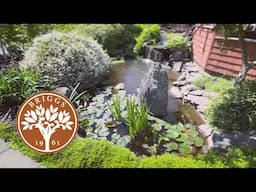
236, 110
69, 58
171, 161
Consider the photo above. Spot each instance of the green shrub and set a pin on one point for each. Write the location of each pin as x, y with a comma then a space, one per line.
19, 36
244, 157
172, 161
16, 85
213, 84
150, 35
177, 42
117, 39
236, 110
69, 58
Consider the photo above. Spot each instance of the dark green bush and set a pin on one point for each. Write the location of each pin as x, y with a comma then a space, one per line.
16, 85
236, 110
117, 39
150, 34
18, 36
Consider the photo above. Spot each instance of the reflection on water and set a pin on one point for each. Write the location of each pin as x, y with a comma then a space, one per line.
132, 72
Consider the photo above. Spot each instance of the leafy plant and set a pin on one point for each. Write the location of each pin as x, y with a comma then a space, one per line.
236, 110
137, 117
19, 36
75, 96
177, 42
16, 85
152, 149
115, 107
213, 84
150, 34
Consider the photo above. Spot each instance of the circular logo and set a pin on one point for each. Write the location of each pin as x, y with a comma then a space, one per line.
47, 122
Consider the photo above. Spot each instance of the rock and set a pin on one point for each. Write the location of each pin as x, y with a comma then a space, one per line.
192, 69
202, 102
177, 66
3, 146
208, 144
182, 77
63, 91
186, 89
175, 93
156, 53
204, 131
179, 83
189, 64
118, 87
197, 93
177, 56
154, 89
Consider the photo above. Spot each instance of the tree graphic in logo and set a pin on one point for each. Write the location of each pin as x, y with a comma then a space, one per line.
47, 121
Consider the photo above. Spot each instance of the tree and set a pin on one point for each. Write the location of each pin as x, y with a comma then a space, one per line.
15, 37
238, 30
47, 121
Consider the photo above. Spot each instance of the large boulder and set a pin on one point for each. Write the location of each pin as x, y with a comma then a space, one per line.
154, 89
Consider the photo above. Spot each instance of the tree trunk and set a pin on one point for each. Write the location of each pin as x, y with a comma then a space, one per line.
245, 65
47, 143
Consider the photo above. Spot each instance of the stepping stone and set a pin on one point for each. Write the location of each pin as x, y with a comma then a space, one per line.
3, 147
197, 93
14, 159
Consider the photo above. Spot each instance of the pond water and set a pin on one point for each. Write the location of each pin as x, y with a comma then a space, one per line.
132, 72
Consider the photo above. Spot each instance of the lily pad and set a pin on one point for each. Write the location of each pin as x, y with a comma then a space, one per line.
169, 127
103, 132
89, 129
199, 142
172, 134
185, 149
123, 141
91, 135
189, 141
171, 146
192, 132
115, 137
156, 126
163, 138
181, 138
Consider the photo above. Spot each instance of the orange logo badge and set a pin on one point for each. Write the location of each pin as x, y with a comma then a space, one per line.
47, 122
